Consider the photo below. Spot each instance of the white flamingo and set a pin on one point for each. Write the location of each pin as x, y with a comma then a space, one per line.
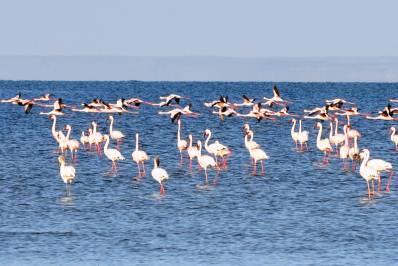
193, 151
181, 143
258, 155
205, 161
293, 133
368, 173
380, 166
112, 154
139, 156
216, 148
159, 174
394, 138
302, 137
97, 136
115, 134
67, 173
73, 145
323, 144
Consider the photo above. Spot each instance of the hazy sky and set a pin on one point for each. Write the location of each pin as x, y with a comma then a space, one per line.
202, 27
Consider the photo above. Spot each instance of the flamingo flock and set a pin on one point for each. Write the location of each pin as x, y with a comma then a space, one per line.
344, 145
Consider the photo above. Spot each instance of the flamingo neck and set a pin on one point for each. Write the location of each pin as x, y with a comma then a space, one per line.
337, 127
331, 130
178, 131
293, 127
136, 142
392, 133
355, 143
251, 136
246, 139
106, 144
68, 134
111, 126
207, 140
345, 136
364, 161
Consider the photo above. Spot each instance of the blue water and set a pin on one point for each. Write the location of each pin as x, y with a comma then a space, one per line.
300, 213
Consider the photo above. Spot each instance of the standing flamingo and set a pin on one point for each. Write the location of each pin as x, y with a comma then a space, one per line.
368, 173
293, 133
73, 145
205, 161
344, 149
139, 156
159, 174
112, 154
67, 173
323, 144
380, 166
181, 143
115, 134
302, 137
193, 151
394, 138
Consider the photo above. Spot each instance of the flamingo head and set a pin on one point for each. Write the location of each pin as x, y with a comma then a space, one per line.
207, 133
61, 159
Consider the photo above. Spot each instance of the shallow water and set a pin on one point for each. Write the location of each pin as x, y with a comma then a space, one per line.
301, 212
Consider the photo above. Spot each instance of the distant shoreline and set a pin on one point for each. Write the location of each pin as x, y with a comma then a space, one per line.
199, 69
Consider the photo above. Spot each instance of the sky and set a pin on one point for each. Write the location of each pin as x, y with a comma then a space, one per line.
251, 28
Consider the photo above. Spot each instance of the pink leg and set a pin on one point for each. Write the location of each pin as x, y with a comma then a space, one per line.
389, 181
262, 167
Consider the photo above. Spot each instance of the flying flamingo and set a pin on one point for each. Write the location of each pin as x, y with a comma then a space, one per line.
67, 173
112, 154
139, 156
159, 174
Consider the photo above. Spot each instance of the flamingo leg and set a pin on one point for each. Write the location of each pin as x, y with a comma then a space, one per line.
143, 168
161, 189
206, 175
379, 183
262, 167
368, 190
254, 167
373, 186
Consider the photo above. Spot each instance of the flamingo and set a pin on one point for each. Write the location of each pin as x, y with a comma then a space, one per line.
139, 156
112, 154
193, 151
205, 161
73, 145
323, 144
181, 143
380, 166
115, 134
97, 136
67, 173
216, 148
159, 174
53, 130
250, 144
257, 154
368, 173
302, 137
394, 137
293, 133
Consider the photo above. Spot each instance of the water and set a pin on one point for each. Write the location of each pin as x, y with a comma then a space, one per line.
301, 212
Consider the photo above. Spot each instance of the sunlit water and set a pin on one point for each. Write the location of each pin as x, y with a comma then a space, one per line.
301, 212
